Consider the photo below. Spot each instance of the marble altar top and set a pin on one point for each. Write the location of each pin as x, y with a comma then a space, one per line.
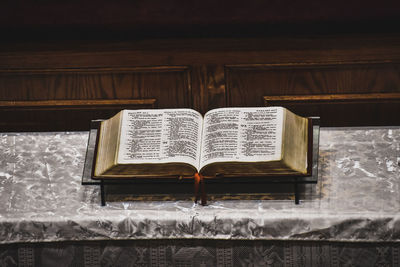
357, 197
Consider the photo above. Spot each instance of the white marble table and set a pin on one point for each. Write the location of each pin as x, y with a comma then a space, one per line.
357, 197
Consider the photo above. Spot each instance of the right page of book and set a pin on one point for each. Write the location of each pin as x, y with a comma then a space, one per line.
242, 135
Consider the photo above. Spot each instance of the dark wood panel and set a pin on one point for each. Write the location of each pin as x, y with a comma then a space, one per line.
169, 85
198, 51
248, 84
67, 99
130, 19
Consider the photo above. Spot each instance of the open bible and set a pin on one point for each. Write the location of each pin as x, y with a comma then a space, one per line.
181, 142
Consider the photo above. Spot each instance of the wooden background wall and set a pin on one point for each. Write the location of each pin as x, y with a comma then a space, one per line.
347, 80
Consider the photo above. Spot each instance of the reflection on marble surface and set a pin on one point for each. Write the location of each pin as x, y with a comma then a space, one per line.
357, 197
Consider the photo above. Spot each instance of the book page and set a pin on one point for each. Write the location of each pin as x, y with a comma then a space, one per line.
242, 134
160, 136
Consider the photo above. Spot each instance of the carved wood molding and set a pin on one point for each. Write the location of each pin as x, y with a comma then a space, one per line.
332, 99
89, 70
77, 104
312, 64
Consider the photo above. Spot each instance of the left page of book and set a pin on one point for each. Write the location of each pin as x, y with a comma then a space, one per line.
160, 136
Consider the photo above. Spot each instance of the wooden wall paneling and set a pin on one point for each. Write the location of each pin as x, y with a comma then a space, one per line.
248, 84
20, 90
189, 72
208, 83
170, 84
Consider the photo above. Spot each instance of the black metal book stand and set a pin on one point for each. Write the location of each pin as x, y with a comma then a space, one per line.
175, 185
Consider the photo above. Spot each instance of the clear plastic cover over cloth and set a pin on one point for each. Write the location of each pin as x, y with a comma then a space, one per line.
357, 197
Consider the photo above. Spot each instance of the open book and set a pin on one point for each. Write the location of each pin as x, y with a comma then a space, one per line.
181, 142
